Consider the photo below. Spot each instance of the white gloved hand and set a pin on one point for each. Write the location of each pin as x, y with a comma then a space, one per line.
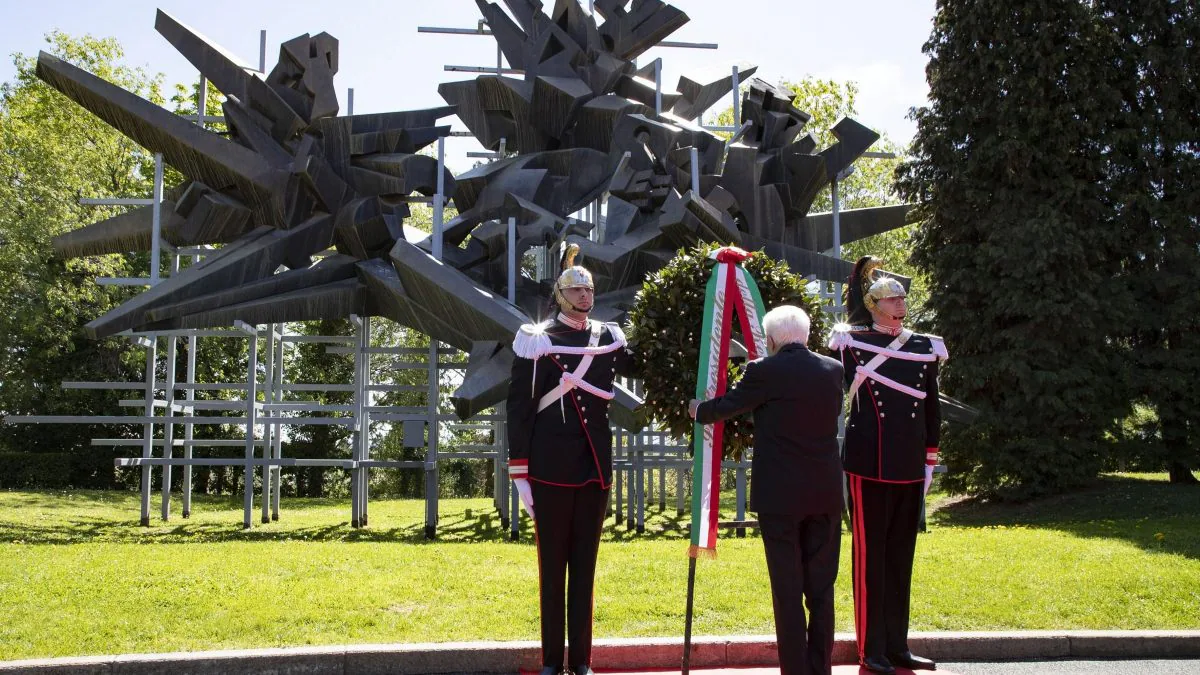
525, 492
928, 477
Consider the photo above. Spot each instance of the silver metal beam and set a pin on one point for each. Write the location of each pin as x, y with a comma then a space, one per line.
489, 70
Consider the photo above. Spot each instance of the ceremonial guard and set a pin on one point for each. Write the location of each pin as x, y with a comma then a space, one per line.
889, 452
560, 454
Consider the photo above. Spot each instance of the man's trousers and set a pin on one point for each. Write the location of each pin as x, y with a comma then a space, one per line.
802, 560
884, 518
567, 526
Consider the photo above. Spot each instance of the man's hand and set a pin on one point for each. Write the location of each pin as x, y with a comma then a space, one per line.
693, 406
525, 492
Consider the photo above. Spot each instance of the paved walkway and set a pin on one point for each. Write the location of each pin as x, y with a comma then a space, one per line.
746, 654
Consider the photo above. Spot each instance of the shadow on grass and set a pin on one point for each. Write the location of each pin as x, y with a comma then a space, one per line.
54, 518
1153, 515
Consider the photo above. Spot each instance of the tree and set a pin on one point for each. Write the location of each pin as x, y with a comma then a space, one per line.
1154, 202
1009, 169
52, 153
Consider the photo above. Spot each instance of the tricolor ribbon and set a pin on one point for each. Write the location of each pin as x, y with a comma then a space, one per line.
729, 288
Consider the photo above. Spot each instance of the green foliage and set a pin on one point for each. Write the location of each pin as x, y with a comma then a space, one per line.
90, 468
665, 324
1153, 183
52, 153
1022, 261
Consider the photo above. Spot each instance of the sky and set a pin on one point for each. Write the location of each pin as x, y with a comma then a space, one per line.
390, 66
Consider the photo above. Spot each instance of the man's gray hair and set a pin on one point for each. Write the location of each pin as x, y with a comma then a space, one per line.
787, 324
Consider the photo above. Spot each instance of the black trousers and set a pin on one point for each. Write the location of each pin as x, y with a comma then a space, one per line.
568, 525
884, 517
802, 559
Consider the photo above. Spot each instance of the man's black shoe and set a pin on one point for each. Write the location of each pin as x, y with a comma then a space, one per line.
912, 661
878, 664
582, 670
550, 670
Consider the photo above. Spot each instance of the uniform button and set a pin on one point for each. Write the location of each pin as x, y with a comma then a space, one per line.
914, 414
915, 404
585, 420
881, 404
583, 407
882, 415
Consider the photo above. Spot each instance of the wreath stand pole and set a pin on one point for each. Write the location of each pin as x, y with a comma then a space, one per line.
687, 627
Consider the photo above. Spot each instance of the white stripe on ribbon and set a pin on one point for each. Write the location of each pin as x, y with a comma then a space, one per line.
758, 336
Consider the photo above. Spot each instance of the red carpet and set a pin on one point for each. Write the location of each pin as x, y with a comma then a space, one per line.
837, 670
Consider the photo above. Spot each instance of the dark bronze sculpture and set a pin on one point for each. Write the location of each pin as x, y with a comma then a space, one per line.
293, 179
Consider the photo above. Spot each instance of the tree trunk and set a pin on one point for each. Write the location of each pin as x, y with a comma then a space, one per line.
1181, 474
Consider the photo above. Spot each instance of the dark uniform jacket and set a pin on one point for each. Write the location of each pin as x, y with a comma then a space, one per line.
569, 442
796, 397
888, 431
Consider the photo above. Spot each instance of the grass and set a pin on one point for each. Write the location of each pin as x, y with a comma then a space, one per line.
79, 577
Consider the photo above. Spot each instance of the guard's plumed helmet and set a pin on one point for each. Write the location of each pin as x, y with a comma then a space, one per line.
867, 285
573, 276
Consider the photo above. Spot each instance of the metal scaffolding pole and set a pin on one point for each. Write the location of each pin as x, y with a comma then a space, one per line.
364, 423
169, 411
150, 343
251, 420
193, 342
269, 429
277, 449
355, 475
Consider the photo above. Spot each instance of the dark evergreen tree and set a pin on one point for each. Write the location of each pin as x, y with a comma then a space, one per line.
1154, 194
1009, 167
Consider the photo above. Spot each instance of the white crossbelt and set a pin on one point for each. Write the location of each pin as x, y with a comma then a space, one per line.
573, 379
863, 372
892, 353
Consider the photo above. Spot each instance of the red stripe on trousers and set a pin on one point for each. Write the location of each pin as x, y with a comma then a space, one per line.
859, 571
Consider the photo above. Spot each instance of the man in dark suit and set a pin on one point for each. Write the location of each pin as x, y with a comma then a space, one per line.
560, 455
796, 481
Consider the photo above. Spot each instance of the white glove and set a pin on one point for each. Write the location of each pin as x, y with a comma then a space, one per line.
928, 477
526, 494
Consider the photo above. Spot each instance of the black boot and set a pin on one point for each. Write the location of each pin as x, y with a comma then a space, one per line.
550, 670
878, 664
912, 661
583, 670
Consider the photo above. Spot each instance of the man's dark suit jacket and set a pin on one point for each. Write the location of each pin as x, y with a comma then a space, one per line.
796, 397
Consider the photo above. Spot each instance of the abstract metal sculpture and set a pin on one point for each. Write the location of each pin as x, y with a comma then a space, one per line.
293, 179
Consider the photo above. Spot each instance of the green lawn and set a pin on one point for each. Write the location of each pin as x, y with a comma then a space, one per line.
78, 576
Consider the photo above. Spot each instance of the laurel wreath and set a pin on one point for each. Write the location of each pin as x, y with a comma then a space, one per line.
665, 326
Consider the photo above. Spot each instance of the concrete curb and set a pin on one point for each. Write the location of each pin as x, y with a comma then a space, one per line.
639, 653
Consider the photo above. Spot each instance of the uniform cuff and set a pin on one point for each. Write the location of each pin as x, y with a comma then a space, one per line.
518, 468
931, 456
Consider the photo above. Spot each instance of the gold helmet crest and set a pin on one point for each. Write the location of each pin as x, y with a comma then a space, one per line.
573, 276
